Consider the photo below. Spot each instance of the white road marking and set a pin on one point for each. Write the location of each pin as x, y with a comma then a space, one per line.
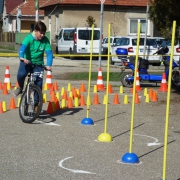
48, 123
73, 170
155, 143
119, 161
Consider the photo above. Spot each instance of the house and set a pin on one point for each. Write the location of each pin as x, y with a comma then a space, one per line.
123, 15
23, 10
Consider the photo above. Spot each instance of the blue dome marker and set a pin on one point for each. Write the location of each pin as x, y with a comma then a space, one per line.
130, 158
87, 121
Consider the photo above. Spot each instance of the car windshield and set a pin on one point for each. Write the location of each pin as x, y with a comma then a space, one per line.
115, 40
158, 41
122, 42
167, 42
149, 42
106, 41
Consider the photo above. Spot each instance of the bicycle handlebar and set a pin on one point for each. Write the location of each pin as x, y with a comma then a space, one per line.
43, 66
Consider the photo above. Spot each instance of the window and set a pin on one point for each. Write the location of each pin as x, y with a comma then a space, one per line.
133, 26
149, 42
86, 34
107, 40
68, 35
124, 42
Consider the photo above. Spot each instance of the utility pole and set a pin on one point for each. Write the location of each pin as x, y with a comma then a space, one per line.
19, 20
37, 10
147, 13
101, 30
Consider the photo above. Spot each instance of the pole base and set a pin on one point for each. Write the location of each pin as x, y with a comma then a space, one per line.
87, 121
105, 137
130, 158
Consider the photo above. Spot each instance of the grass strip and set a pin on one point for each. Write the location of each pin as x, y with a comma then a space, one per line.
113, 76
85, 76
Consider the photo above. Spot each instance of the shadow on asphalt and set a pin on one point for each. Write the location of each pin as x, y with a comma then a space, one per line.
65, 111
109, 117
49, 118
156, 149
128, 130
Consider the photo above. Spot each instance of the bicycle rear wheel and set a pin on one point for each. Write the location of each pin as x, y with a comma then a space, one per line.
27, 110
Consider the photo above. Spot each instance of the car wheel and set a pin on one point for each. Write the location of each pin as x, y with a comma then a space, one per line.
70, 53
111, 61
124, 80
57, 50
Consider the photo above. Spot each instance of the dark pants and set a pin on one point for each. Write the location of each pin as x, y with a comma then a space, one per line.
25, 69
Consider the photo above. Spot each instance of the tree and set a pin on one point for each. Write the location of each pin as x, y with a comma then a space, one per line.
90, 20
163, 13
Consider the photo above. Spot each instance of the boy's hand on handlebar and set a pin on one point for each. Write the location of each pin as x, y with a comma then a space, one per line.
48, 68
25, 60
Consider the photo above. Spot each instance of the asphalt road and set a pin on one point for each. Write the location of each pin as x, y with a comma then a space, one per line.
58, 147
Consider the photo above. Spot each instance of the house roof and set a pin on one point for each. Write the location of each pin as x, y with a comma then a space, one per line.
10, 5
28, 8
96, 2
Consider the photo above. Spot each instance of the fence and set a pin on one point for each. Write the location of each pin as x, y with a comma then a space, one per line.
16, 37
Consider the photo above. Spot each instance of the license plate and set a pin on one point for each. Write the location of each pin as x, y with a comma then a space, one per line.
83, 50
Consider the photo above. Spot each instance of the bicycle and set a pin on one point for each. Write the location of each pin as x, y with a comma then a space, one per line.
32, 93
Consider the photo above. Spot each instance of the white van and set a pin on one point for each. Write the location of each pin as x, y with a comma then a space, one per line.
65, 40
78, 41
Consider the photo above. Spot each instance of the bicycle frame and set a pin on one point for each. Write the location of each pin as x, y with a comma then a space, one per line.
31, 80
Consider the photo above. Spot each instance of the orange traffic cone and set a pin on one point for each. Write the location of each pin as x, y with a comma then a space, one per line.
55, 86
1, 87
12, 104
82, 101
65, 95
137, 101
49, 79
70, 103
154, 97
51, 89
100, 85
96, 100
1, 108
138, 88
57, 104
110, 89
7, 77
5, 91
116, 99
50, 108
163, 87
74, 93
53, 97
82, 88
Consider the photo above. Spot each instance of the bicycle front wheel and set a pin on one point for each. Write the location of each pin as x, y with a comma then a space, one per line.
30, 108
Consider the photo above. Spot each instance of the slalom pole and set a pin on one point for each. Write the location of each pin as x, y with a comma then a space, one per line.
132, 157
87, 120
168, 103
105, 137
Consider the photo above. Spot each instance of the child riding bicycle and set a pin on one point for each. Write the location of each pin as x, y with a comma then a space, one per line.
32, 52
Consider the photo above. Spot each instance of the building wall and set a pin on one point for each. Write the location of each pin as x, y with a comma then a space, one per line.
77, 16
26, 26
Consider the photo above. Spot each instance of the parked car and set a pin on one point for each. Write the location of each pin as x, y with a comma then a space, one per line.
159, 40
76, 41
130, 43
113, 40
167, 42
